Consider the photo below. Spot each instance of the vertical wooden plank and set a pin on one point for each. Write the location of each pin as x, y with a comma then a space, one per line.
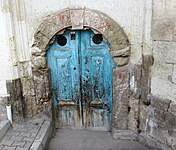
96, 83
63, 63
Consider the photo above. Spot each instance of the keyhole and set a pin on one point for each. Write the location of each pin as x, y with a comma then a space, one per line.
74, 68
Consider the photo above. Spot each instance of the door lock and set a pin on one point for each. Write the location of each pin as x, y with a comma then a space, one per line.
73, 35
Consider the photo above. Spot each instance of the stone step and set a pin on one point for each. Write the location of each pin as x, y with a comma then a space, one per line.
4, 126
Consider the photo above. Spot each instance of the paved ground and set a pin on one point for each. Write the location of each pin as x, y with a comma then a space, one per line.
34, 134
29, 135
66, 139
21, 137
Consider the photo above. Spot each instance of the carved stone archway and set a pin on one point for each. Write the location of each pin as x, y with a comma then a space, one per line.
79, 19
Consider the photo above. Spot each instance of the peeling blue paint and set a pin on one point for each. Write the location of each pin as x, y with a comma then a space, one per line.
81, 73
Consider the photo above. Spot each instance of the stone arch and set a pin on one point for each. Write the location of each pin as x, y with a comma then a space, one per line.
80, 18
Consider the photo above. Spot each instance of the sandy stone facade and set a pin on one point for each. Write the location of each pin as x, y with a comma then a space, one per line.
142, 42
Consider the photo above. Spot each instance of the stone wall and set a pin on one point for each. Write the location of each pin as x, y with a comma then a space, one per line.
144, 97
157, 105
164, 49
163, 117
29, 96
158, 123
151, 117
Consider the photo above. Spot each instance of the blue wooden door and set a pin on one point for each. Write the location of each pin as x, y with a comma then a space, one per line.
81, 74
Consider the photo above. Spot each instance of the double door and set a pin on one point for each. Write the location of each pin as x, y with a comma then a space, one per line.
81, 75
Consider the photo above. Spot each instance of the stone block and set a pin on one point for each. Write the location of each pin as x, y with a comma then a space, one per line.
4, 126
43, 136
35, 107
118, 39
25, 69
27, 145
49, 32
16, 138
158, 10
120, 106
16, 99
9, 148
124, 135
163, 30
28, 86
164, 9
12, 132
77, 18
152, 143
158, 121
159, 103
36, 51
42, 84
133, 114
39, 62
143, 117
28, 139
36, 146
121, 61
25, 134
6, 142
163, 88
163, 130
147, 62
63, 19
40, 39
164, 52
47, 80
19, 143
135, 80
162, 70
31, 106
39, 85
120, 76
170, 123
123, 52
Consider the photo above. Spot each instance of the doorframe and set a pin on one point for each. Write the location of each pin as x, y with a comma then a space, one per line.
80, 18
